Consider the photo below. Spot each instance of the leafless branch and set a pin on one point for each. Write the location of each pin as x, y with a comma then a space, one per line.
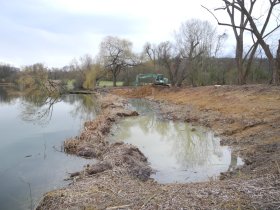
226, 24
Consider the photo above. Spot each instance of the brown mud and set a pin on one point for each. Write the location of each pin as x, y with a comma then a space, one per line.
247, 118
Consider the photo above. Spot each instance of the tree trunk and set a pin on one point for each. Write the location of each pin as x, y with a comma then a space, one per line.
272, 63
250, 61
278, 60
265, 47
172, 82
181, 75
239, 59
241, 79
275, 72
171, 77
114, 80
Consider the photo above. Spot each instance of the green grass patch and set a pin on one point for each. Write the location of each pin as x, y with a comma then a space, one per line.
109, 84
70, 84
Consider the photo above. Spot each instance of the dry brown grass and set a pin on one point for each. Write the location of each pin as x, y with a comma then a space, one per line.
250, 101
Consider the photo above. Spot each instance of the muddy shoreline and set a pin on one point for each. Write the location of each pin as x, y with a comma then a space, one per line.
121, 178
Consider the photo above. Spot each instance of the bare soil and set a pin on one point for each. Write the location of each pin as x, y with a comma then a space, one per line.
247, 118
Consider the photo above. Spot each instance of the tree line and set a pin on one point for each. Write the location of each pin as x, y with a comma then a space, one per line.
193, 57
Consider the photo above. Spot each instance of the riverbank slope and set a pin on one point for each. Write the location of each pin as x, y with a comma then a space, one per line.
245, 117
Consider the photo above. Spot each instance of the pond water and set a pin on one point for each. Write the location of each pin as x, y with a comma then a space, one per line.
32, 132
177, 151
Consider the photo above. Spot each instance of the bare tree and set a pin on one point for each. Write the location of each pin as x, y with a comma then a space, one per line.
252, 24
116, 55
165, 53
278, 56
196, 41
150, 50
164, 56
243, 67
86, 62
80, 75
81, 66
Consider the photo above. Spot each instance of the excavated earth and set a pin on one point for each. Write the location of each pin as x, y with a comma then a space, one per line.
247, 118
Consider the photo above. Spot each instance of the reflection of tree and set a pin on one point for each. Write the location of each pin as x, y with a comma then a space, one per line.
38, 108
123, 130
142, 106
147, 124
190, 147
193, 148
86, 107
150, 123
5, 97
164, 128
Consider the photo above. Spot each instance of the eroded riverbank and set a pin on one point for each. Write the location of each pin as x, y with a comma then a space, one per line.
115, 183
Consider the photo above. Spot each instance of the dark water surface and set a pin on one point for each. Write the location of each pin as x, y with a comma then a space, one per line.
32, 131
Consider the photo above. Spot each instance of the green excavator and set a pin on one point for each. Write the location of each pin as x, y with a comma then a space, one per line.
158, 79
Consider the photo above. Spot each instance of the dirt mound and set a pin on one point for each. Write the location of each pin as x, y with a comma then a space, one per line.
91, 143
98, 168
122, 158
128, 159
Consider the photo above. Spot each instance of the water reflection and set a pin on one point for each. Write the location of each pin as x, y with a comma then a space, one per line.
3, 94
30, 159
86, 107
37, 106
142, 106
178, 151
39, 109
5, 98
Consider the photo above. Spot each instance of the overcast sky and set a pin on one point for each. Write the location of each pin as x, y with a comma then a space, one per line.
56, 31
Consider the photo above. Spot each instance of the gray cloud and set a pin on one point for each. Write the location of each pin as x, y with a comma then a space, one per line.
31, 30
57, 21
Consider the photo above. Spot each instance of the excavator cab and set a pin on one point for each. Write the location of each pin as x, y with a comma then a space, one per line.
160, 80
157, 79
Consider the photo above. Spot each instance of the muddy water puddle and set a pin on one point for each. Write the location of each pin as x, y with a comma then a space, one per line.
177, 151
